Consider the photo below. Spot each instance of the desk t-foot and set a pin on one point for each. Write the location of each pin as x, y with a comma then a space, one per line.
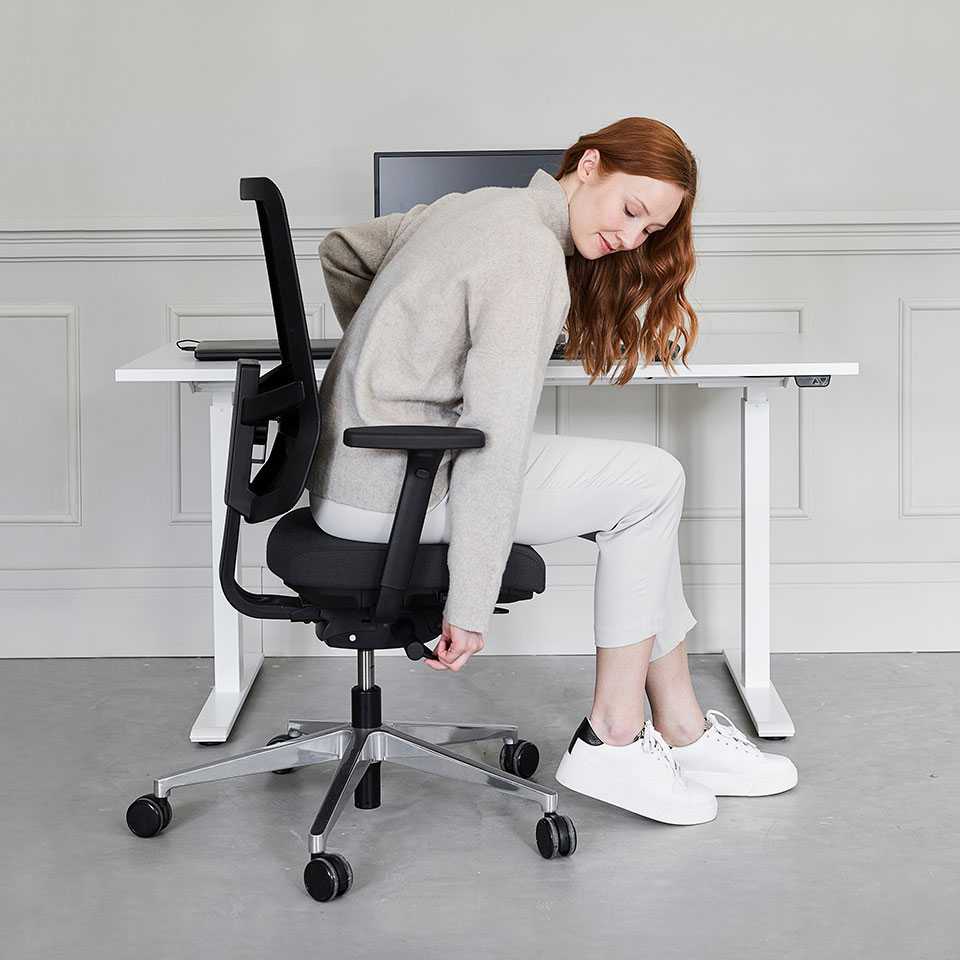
750, 667
219, 713
234, 670
762, 701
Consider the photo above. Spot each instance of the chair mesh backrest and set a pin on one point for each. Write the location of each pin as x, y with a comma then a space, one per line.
279, 483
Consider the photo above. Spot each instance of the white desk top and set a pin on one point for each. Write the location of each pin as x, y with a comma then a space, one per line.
715, 357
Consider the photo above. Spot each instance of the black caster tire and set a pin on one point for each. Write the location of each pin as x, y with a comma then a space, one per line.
774, 738
521, 758
327, 876
149, 815
556, 836
283, 738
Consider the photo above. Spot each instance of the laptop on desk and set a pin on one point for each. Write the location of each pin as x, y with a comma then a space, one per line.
270, 349
256, 349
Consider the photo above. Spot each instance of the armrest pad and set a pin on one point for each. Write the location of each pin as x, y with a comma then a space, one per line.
414, 437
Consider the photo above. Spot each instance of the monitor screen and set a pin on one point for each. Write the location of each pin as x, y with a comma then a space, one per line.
402, 180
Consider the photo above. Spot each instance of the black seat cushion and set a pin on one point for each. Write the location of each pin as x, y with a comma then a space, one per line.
303, 555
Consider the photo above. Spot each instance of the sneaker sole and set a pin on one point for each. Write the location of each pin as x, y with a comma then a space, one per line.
723, 785
663, 814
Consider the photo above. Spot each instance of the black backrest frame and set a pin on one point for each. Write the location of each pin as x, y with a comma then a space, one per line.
287, 393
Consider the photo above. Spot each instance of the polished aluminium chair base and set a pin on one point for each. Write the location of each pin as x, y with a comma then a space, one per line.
359, 747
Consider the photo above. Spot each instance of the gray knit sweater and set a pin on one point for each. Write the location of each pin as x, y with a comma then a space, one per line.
449, 312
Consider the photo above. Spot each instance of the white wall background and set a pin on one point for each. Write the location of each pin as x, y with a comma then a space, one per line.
827, 140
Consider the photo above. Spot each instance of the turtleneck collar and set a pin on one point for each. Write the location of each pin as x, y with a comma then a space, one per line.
551, 202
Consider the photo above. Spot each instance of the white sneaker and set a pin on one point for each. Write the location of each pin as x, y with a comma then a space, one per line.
726, 760
640, 776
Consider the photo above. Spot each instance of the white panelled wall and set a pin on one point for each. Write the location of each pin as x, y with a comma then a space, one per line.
121, 228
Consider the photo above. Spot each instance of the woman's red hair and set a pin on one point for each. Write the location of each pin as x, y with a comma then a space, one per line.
603, 327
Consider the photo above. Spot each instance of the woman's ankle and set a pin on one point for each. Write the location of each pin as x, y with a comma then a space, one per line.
681, 733
615, 731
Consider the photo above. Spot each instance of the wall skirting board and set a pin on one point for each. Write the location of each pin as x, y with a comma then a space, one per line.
816, 608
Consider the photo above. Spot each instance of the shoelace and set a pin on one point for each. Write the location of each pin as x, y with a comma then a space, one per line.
653, 742
729, 733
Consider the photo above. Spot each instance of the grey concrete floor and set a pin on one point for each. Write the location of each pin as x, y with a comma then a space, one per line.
861, 859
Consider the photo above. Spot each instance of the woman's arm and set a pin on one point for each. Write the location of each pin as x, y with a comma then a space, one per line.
351, 256
517, 301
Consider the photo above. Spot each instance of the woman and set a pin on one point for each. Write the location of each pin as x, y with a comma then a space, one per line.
450, 312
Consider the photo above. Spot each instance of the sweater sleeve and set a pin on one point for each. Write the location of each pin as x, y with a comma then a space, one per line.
513, 316
351, 256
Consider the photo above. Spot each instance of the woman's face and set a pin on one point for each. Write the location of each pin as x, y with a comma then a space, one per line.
618, 212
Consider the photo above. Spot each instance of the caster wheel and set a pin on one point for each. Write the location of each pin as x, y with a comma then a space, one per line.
774, 738
520, 758
556, 836
282, 738
327, 876
149, 815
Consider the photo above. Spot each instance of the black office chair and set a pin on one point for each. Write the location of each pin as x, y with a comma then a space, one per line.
362, 596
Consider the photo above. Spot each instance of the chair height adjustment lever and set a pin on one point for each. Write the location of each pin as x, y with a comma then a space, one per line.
417, 649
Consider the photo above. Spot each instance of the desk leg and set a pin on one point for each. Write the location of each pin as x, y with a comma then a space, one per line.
233, 672
750, 666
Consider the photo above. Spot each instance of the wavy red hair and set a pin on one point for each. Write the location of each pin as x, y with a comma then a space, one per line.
603, 326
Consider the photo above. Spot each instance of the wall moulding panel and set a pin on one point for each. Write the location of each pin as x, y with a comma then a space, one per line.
929, 428
40, 415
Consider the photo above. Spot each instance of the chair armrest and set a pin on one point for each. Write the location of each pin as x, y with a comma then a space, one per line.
425, 446
414, 437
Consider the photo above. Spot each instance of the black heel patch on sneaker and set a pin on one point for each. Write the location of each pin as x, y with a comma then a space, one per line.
585, 733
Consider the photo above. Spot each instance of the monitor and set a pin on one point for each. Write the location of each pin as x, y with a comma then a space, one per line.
401, 180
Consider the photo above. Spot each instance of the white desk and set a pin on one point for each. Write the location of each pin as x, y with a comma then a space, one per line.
752, 364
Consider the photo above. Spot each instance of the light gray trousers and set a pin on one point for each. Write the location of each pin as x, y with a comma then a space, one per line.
624, 495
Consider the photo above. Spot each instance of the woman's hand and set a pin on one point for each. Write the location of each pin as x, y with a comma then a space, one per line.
455, 648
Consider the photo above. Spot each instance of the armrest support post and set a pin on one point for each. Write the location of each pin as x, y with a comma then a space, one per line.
425, 445
422, 466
